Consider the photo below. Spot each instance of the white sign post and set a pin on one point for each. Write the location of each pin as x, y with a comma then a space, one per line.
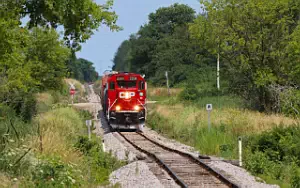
89, 124
240, 151
209, 109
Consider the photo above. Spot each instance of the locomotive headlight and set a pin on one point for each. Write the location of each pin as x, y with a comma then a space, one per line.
118, 108
141, 94
136, 108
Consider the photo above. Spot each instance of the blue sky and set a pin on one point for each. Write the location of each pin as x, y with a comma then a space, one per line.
101, 47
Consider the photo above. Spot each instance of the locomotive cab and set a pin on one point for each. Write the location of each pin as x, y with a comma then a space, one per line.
124, 100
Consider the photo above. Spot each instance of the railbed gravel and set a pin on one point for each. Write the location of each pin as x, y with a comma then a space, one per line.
135, 175
113, 145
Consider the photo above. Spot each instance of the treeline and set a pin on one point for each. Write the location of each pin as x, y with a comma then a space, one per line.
258, 44
81, 69
33, 58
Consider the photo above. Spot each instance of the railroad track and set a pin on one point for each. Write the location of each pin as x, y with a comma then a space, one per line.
185, 169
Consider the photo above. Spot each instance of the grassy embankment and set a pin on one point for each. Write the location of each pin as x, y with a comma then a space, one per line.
270, 141
52, 150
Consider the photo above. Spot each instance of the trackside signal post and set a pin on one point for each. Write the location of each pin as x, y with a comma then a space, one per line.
209, 109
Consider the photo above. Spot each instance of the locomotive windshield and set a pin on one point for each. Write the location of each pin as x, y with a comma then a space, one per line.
126, 84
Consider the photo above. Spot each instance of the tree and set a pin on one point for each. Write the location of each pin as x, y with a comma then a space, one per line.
253, 40
46, 56
122, 57
161, 45
79, 18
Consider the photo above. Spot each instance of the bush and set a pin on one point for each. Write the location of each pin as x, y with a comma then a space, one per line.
24, 104
295, 179
84, 145
257, 163
17, 161
190, 93
52, 172
13, 130
280, 144
101, 163
290, 102
6, 112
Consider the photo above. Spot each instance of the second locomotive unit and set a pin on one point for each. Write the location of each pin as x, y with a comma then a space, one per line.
123, 98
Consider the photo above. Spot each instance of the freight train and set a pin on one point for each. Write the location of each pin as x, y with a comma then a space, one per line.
123, 98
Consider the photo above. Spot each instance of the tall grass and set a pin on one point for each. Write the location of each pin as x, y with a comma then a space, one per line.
47, 156
189, 124
59, 129
270, 140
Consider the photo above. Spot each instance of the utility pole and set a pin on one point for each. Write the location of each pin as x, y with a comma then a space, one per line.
218, 72
168, 83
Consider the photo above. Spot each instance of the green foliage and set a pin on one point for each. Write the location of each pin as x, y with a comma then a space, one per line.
47, 56
290, 103
280, 144
220, 140
82, 70
122, 57
78, 18
164, 44
52, 172
84, 145
295, 179
13, 129
101, 163
257, 44
85, 114
15, 163
258, 163
33, 58
190, 93
275, 154
30, 61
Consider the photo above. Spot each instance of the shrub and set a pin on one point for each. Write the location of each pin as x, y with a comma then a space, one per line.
100, 163
6, 112
84, 145
17, 161
52, 172
279, 144
257, 163
190, 93
24, 104
290, 102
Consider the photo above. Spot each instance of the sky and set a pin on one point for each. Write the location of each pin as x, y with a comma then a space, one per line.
102, 46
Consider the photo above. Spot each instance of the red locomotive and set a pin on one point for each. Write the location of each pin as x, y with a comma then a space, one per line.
123, 98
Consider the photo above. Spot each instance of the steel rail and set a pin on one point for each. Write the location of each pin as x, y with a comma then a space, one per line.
159, 161
196, 160
187, 155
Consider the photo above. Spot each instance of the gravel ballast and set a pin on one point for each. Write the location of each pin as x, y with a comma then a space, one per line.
134, 175
113, 145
